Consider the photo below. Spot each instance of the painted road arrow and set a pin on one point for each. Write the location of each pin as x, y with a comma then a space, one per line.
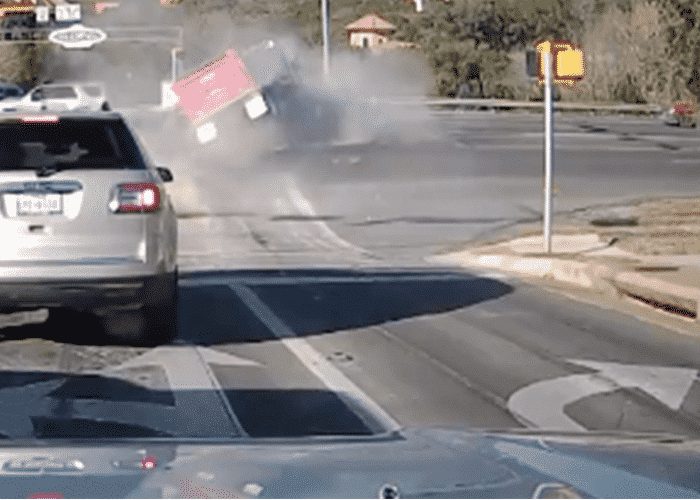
19, 404
187, 367
201, 408
542, 404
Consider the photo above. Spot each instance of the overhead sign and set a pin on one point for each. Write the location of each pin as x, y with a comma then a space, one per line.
41, 13
214, 86
68, 12
77, 37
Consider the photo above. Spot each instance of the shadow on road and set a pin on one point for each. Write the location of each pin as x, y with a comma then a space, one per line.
320, 301
224, 308
307, 301
63, 326
52, 405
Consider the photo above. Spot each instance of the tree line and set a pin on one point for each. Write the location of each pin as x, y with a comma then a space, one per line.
636, 50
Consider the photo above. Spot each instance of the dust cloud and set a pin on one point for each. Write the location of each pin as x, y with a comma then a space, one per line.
309, 110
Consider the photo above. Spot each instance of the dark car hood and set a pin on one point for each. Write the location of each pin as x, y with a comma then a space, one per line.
427, 463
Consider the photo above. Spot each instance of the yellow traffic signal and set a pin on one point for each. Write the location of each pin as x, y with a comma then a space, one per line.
568, 64
567, 60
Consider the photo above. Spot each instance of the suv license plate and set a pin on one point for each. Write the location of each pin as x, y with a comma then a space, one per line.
39, 204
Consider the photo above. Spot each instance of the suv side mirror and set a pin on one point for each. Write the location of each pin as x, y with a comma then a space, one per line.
37, 95
165, 174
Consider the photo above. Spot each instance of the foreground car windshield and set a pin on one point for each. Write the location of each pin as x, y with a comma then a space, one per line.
350, 249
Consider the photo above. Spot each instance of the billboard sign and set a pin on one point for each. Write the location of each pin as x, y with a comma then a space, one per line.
42, 14
68, 12
77, 37
214, 86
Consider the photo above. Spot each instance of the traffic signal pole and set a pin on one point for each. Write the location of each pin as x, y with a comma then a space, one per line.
326, 29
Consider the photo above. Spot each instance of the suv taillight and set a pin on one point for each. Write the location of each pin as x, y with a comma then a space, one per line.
135, 198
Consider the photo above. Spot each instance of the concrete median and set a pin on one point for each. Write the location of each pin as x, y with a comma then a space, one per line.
670, 288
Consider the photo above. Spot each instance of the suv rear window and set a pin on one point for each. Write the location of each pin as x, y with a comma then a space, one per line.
93, 90
84, 144
58, 93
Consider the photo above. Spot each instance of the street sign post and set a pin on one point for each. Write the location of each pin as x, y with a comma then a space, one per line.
548, 153
552, 62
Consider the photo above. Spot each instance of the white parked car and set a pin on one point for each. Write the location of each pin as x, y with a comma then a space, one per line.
58, 97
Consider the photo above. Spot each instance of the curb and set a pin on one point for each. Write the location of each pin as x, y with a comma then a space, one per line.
582, 274
678, 299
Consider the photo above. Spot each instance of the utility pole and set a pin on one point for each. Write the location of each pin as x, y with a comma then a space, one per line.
326, 26
548, 152
174, 63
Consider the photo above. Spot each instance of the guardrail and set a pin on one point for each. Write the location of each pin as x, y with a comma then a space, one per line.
505, 104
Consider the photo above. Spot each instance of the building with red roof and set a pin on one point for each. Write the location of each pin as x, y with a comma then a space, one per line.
369, 31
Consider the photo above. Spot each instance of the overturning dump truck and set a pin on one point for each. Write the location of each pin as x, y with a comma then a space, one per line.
257, 87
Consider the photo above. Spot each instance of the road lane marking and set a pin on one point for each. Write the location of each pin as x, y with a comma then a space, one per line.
668, 385
202, 402
561, 147
304, 206
314, 361
574, 135
301, 230
485, 394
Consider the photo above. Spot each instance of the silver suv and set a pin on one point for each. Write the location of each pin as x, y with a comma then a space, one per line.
86, 224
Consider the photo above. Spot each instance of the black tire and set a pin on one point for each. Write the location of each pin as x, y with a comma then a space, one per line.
154, 324
160, 325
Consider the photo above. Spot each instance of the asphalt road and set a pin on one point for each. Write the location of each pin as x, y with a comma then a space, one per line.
308, 308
